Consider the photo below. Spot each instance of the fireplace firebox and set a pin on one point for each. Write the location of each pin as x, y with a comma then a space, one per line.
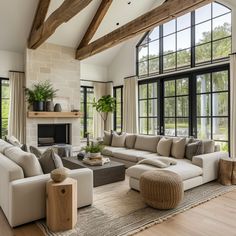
51, 134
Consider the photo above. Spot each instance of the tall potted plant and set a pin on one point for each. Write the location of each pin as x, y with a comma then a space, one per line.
39, 94
104, 106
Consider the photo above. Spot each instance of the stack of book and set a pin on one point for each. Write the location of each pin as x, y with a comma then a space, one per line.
96, 161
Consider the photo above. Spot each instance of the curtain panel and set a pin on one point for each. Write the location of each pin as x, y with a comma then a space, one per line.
130, 116
233, 105
17, 115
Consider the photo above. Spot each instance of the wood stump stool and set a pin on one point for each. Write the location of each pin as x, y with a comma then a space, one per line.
61, 205
227, 171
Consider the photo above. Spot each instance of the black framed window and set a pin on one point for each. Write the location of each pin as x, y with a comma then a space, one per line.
194, 39
4, 106
118, 114
148, 108
188, 104
176, 107
86, 106
213, 107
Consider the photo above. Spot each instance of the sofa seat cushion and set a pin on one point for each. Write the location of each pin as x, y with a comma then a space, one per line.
130, 155
184, 168
108, 150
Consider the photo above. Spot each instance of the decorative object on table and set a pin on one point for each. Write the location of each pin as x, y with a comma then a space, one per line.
63, 150
58, 175
93, 150
57, 107
227, 171
161, 189
87, 139
61, 205
81, 155
96, 161
41, 93
104, 106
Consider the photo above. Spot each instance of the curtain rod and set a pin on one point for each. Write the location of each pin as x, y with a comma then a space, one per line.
16, 71
130, 76
94, 81
233, 53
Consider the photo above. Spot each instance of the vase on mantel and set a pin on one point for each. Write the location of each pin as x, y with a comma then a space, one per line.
57, 107
49, 106
38, 106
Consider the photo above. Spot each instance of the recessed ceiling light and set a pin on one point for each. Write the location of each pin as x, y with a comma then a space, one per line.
129, 2
117, 23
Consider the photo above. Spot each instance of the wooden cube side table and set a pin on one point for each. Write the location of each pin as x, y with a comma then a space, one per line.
61, 205
227, 171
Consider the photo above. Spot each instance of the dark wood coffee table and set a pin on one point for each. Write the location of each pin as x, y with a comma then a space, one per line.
108, 173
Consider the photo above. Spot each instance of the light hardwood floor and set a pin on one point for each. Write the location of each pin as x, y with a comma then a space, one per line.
214, 218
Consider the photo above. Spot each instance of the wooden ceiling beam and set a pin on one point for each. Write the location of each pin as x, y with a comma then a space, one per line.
95, 23
40, 15
161, 14
67, 10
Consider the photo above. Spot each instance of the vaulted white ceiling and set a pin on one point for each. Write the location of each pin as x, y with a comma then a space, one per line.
16, 17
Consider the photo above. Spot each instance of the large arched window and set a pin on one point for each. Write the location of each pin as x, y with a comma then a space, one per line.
176, 101
197, 38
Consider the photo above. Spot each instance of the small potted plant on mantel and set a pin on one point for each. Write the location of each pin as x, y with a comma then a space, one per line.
93, 150
40, 97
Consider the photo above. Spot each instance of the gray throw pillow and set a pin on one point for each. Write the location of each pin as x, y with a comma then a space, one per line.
193, 149
118, 140
209, 146
130, 141
48, 160
107, 138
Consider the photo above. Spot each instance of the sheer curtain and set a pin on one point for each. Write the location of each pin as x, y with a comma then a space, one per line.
101, 89
131, 105
233, 105
16, 123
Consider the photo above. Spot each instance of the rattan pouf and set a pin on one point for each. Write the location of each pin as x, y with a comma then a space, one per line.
161, 189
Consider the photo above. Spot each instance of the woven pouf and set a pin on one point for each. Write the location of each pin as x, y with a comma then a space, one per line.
161, 189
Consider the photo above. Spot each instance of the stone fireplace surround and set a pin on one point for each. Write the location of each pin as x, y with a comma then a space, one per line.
58, 65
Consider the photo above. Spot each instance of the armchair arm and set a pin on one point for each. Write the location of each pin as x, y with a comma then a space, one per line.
209, 164
28, 196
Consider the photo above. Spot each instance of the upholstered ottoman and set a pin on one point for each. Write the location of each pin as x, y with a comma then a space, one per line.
161, 189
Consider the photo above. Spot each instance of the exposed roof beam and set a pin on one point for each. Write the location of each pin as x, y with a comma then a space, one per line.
67, 10
95, 23
161, 14
40, 15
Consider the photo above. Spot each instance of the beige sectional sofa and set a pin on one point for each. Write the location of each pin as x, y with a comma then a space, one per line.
23, 198
197, 170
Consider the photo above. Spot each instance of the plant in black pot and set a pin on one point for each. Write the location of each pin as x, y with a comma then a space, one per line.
39, 95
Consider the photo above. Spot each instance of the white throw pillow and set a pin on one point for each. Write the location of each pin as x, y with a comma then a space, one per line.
178, 148
118, 140
14, 141
27, 161
164, 147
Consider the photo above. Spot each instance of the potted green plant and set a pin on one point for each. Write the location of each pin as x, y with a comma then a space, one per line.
39, 95
105, 105
93, 150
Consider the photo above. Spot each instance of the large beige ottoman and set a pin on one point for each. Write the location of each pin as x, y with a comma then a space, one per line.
161, 189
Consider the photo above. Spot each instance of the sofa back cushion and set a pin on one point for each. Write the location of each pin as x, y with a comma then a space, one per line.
4, 145
130, 141
208, 146
164, 147
178, 148
27, 161
107, 138
146, 143
118, 140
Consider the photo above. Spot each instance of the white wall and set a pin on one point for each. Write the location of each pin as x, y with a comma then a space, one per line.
93, 72
10, 61
124, 64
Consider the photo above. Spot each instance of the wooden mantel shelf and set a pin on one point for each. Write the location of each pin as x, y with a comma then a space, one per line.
45, 114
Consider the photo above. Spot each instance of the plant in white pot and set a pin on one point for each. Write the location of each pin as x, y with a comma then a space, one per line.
93, 150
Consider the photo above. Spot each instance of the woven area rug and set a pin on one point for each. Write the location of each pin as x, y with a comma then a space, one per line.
117, 210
